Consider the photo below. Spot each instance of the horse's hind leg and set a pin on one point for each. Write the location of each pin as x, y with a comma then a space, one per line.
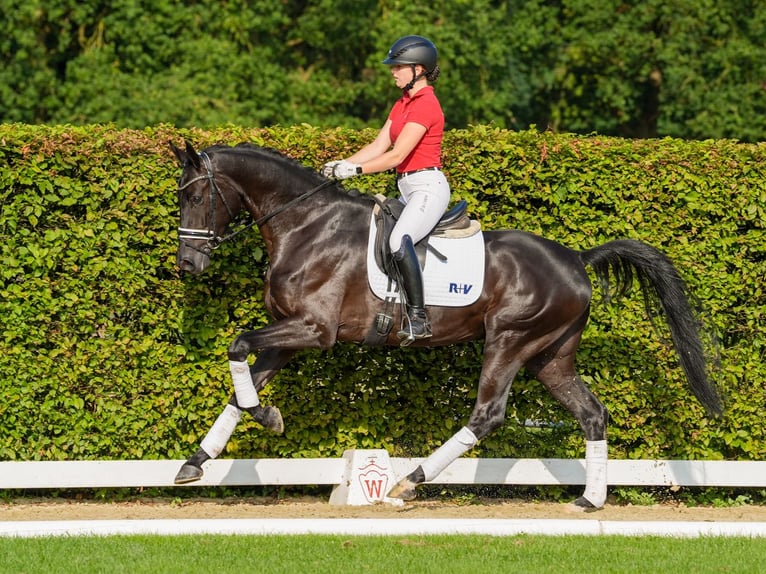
557, 373
247, 382
488, 414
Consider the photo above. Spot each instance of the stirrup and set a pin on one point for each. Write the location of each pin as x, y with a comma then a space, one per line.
407, 335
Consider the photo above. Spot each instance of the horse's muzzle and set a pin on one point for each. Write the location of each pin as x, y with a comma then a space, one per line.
191, 260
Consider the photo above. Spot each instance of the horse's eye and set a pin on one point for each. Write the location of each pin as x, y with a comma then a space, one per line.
195, 200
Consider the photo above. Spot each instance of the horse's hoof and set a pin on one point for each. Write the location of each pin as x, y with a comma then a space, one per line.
404, 490
582, 504
269, 417
188, 473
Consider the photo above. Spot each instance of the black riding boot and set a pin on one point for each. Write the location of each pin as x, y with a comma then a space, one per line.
411, 282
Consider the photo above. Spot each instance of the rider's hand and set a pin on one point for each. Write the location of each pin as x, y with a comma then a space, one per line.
344, 169
327, 169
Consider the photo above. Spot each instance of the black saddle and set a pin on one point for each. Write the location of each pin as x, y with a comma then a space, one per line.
389, 213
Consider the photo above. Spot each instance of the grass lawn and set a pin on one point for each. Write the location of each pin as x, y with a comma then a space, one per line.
390, 554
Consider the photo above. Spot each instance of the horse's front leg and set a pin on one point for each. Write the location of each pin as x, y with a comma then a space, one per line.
268, 363
277, 342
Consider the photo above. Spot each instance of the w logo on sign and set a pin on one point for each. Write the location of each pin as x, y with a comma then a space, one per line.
373, 480
367, 478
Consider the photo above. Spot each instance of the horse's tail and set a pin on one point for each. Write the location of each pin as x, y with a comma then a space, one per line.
665, 292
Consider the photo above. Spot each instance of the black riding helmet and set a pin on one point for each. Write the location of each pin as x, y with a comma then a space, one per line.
413, 50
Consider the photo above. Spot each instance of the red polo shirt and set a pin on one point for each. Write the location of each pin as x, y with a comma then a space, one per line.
423, 108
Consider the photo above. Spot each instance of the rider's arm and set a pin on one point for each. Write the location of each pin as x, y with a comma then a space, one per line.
377, 147
410, 136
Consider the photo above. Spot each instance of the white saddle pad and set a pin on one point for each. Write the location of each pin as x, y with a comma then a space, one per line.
455, 282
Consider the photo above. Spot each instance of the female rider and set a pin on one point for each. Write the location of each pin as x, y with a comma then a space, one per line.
409, 141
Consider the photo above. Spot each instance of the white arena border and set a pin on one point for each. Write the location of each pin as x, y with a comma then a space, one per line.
344, 473
380, 527
333, 471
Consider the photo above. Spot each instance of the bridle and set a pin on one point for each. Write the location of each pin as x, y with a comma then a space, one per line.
212, 239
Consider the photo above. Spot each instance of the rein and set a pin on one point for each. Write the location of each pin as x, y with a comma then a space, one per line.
213, 240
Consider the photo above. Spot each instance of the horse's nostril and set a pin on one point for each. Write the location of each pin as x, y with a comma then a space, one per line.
186, 265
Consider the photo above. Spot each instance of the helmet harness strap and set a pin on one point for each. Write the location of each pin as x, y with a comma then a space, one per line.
415, 78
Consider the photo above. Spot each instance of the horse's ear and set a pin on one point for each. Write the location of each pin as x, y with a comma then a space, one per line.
186, 156
180, 154
192, 154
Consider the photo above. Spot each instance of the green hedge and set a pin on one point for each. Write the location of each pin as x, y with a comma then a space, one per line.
106, 352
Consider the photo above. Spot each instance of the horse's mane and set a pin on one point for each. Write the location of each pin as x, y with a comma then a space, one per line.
287, 161
269, 152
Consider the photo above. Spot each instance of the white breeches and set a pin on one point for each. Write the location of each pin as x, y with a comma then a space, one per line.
425, 195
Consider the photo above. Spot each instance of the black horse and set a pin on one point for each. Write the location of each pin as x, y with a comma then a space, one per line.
531, 312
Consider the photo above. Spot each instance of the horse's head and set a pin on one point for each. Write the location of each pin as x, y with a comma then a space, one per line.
205, 210
219, 182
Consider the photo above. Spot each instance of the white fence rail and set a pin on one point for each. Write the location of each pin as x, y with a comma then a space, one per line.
262, 472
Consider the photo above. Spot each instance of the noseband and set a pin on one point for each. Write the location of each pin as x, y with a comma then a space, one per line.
212, 239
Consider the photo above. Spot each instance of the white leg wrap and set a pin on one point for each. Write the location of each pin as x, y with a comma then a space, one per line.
244, 388
595, 472
462, 441
217, 437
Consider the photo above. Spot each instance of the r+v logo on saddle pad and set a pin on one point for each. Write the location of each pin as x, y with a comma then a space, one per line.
460, 288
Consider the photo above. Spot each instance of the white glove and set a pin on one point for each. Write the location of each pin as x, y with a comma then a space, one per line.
345, 169
327, 169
